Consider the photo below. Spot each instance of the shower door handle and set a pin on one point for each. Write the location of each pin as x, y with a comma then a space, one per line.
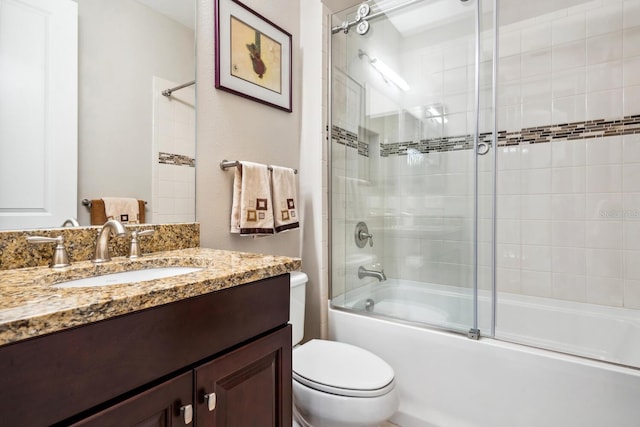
483, 148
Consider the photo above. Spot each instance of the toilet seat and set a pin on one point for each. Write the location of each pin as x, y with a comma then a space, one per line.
342, 369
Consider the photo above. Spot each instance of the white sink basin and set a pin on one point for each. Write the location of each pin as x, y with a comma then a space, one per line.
127, 277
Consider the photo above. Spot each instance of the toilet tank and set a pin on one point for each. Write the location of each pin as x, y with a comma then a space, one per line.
298, 281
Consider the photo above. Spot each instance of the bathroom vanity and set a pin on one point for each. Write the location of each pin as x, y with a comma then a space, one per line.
210, 348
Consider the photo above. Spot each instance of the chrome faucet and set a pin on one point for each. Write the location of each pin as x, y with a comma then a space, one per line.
363, 272
70, 222
102, 244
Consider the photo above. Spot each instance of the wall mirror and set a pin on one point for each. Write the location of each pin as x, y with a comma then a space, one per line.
83, 116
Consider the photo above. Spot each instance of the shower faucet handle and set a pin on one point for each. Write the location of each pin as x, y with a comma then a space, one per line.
362, 235
367, 236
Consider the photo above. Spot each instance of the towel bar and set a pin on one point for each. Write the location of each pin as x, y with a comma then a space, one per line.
87, 202
226, 164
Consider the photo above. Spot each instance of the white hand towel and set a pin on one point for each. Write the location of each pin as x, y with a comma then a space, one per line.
285, 203
251, 211
124, 209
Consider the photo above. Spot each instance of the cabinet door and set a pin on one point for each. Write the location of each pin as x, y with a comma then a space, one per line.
249, 387
156, 407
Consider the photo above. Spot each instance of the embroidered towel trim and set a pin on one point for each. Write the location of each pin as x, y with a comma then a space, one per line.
251, 211
283, 186
124, 209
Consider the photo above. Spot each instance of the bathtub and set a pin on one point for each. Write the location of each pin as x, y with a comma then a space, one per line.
447, 380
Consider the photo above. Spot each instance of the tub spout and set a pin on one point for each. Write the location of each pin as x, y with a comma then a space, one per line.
363, 272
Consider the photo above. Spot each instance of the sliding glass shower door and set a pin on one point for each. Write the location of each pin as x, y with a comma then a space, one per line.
411, 197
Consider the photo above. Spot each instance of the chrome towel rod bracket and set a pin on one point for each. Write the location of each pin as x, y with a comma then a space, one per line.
226, 164
167, 92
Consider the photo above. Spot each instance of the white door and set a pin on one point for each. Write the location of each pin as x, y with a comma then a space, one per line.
38, 112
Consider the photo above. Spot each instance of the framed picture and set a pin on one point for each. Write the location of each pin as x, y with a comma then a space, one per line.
253, 55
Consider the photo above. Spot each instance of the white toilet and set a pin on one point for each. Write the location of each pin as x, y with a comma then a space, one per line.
336, 384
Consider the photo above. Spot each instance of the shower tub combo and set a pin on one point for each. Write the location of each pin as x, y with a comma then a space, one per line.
445, 379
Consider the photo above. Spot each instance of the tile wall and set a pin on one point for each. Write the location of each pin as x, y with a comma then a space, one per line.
173, 187
568, 209
568, 201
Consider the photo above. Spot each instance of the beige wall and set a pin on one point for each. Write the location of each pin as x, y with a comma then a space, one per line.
234, 128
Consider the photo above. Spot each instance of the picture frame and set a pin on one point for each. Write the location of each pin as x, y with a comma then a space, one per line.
252, 55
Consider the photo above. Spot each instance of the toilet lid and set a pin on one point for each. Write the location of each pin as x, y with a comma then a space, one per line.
342, 369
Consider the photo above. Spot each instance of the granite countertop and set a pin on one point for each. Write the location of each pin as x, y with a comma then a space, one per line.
30, 306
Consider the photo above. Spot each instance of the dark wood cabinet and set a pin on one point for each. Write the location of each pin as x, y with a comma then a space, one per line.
247, 387
142, 368
161, 406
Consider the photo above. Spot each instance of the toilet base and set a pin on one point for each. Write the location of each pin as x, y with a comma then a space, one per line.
313, 408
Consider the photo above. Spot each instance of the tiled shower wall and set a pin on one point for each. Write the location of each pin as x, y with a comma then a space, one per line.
569, 209
174, 150
568, 196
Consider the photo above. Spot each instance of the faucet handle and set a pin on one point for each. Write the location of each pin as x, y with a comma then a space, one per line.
134, 247
60, 255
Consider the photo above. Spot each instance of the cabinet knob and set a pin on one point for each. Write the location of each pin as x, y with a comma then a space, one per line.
211, 401
187, 413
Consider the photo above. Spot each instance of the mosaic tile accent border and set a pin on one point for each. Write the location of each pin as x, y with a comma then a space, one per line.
535, 135
350, 139
571, 131
176, 159
450, 143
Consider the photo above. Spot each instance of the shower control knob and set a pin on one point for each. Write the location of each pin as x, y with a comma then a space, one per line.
362, 235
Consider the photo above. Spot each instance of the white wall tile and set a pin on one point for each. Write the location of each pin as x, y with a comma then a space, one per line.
604, 150
508, 207
536, 232
536, 181
536, 113
508, 182
570, 153
605, 291
536, 62
536, 88
604, 206
632, 294
631, 148
631, 235
570, 28
604, 48
631, 96
536, 37
631, 13
568, 233
604, 105
508, 231
509, 42
631, 206
569, 82
604, 234
569, 55
631, 71
604, 263
631, 177
567, 206
568, 180
508, 280
536, 206
569, 109
604, 20
570, 287
604, 178
535, 156
536, 283
537, 258
604, 76
631, 265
